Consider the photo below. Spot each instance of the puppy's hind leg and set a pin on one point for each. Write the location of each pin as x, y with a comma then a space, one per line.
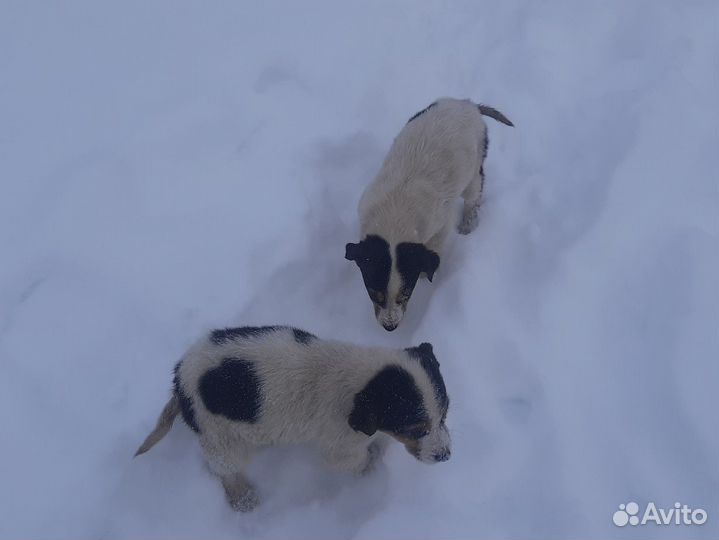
472, 196
227, 459
240, 493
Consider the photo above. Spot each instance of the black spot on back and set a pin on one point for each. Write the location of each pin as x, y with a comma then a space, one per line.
224, 335
389, 402
232, 390
302, 336
420, 113
375, 263
429, 363
186, 407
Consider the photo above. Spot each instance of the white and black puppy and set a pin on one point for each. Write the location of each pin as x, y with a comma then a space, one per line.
407, 211
245, 388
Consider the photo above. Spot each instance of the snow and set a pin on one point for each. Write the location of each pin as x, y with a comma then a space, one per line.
170, 167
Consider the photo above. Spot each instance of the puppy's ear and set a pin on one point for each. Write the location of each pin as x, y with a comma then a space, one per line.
426, 349
351, 251
423, 352
388, 401
363, 417
430, 263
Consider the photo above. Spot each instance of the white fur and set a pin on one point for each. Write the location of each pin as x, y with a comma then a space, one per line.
436, 158
307, 394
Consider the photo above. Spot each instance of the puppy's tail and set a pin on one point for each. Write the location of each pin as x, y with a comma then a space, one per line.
494, 113
164, 423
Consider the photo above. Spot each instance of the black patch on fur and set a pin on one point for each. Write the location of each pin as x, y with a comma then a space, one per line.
187, 408
481, 167
420, 113
429, 363
374, 261
412, 260
303, 337
224, 335
389, 402
232, 390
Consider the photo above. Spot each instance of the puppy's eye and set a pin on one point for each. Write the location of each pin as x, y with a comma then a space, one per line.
403, 296
376, 296
417, 433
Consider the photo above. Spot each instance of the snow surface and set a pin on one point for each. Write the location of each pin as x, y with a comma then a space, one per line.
169, 167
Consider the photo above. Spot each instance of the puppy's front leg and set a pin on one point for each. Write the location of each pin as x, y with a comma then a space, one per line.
436, 242
375, 451
355, 459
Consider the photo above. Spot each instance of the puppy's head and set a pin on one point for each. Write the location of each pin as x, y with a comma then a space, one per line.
407, 404
390, 274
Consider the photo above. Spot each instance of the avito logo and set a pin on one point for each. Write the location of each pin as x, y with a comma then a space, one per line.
628, 514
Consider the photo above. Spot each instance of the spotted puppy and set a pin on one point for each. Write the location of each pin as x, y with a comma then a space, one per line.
407, 212
241, 389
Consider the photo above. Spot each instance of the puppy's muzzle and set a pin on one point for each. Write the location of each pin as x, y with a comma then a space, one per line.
442, 455
390, 318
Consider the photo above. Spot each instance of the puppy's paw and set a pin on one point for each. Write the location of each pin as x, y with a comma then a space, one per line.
245, 501
470, 220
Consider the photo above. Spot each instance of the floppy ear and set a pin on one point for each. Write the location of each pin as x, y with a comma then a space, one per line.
388, 401
363, 417
430, 263
351, 251
426, 348
423, 352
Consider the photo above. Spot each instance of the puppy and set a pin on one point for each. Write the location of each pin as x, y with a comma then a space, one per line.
406, 212
241, 389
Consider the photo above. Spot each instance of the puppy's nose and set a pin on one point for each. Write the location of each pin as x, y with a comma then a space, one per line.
442, 455
389, 327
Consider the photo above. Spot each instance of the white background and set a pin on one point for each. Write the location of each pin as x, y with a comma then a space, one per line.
170, 167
